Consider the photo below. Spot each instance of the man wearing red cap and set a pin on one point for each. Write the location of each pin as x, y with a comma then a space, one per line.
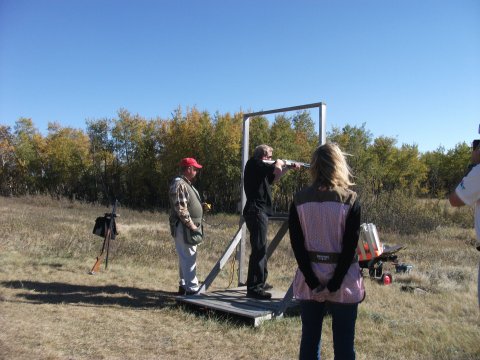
186, 215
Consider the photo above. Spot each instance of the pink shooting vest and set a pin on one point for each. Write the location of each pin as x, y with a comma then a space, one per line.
322, 217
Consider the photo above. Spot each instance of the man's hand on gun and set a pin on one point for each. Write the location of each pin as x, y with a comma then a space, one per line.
293, 165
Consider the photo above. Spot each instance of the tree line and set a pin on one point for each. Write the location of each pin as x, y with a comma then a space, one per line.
133, 159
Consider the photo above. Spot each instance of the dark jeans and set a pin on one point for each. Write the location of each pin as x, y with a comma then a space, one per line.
257, 223
344, 317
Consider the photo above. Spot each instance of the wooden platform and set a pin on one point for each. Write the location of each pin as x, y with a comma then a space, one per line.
234, 301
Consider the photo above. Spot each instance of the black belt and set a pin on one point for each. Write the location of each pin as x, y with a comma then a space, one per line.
326, 258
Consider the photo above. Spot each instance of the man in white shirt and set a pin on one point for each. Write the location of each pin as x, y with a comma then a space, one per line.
468, 193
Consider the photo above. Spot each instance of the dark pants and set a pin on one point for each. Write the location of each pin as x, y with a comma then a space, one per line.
257, 223
344, 317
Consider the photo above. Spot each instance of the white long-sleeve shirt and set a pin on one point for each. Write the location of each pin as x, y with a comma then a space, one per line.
469, 192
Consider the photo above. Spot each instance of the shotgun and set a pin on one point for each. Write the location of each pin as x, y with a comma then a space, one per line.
105, 226
290, 163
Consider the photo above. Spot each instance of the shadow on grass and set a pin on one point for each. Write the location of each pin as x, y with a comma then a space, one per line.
35, 292
108, 295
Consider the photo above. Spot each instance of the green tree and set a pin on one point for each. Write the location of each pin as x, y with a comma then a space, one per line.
282, 138
382, 155
28, 144
102, 155
147, 167
304, 126
136, 143
67, 160
7, 161
222, 174
357, 141
186, 135
259, 132
410, 171
435, 182
306, 139
455, 164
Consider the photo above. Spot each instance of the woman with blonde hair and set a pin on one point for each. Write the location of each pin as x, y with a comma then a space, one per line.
324, 225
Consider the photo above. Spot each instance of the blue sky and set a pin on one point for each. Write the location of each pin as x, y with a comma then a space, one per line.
408, 69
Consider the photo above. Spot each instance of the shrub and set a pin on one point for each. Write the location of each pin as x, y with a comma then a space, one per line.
398, 211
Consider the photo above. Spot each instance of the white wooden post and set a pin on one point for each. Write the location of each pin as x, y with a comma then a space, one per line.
241, 253
322, 133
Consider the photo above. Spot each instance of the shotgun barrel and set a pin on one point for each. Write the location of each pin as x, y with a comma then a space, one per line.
289, 163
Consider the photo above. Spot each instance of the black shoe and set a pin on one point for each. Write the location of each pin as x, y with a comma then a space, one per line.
259, 294
182, 291
267, 286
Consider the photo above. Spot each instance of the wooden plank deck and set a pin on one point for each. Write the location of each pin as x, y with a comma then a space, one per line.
234, 301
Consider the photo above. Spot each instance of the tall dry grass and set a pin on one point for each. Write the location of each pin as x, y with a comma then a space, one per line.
397, 211
51, 309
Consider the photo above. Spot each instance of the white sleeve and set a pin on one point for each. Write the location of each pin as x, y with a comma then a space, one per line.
469, 188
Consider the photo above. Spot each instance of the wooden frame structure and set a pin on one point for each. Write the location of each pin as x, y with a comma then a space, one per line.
259, 310
322, 108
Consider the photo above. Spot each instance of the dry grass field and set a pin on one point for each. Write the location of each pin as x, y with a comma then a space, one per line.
50, 308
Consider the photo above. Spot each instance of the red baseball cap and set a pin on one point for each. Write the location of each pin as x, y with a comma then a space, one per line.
190, 162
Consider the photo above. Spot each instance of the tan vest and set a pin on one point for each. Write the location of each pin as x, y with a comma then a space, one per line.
322, 216
195, 210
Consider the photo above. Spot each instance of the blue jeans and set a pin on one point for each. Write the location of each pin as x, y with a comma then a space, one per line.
344, 317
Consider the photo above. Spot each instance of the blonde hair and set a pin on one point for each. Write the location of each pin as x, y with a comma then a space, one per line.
329, 167
261, 151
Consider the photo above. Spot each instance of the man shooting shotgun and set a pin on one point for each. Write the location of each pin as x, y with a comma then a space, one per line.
260, 173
